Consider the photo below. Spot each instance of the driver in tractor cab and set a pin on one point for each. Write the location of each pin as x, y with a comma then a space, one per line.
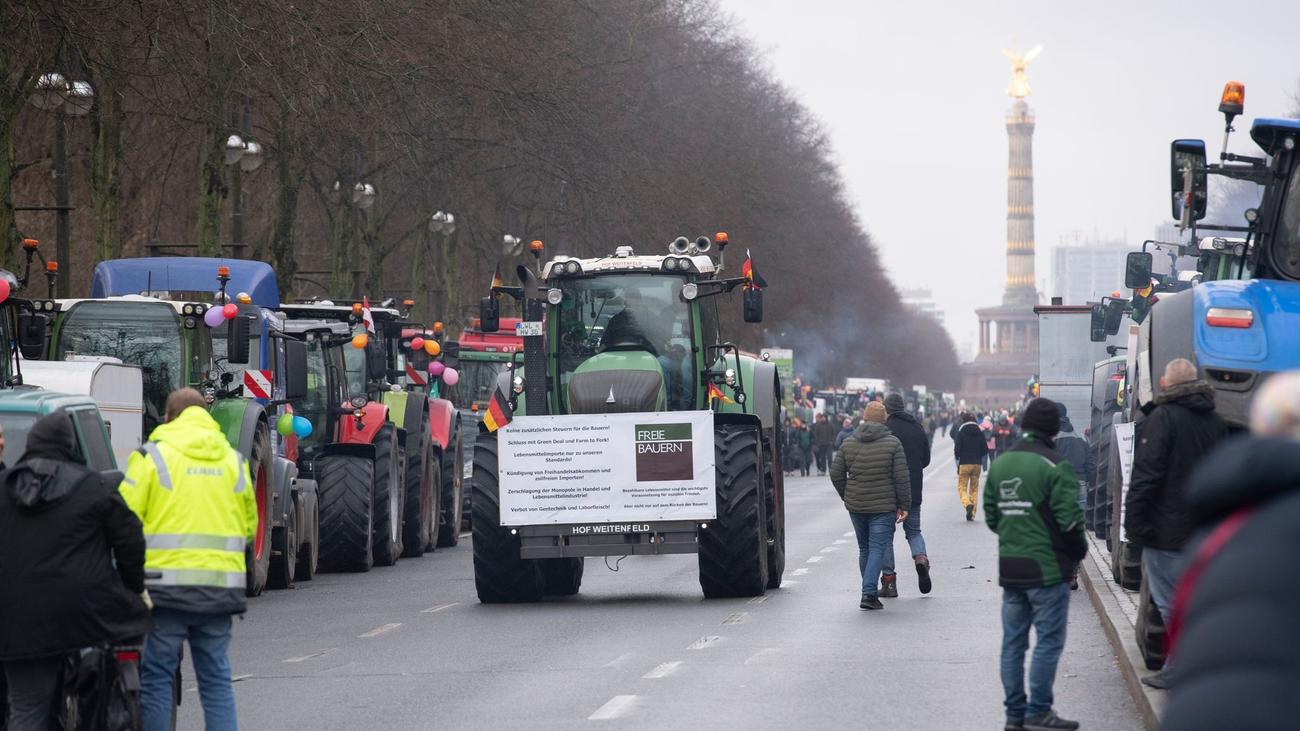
628, 330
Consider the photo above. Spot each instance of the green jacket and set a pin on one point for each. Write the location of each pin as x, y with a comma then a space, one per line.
870, 471
1031, 500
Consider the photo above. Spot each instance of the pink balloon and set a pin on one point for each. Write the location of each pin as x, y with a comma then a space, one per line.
450, 377
230, 310
436, 368
213, 317
417, 343
4, 290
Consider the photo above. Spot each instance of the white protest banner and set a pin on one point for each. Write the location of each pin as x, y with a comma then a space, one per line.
607, 468
1123, 437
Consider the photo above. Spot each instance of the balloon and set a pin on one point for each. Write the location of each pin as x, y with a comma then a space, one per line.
301, 427
450, 377
284, 425
230, 310
4, 289
417, 343
432, 348
360, 341
436, 368
213, 317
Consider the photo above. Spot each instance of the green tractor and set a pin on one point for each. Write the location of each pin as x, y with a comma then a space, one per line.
630, 334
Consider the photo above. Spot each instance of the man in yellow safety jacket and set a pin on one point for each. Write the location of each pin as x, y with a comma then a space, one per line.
192, 492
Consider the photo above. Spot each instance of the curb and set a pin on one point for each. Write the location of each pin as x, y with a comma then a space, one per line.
1118, 626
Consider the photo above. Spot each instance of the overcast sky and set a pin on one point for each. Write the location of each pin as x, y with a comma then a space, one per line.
913, 96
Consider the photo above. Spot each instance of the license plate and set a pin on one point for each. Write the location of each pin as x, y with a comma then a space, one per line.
528, 329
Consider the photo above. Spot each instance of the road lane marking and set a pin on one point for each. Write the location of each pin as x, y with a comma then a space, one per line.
735, 618
829, 549
467, 534
620, 660
849, 534
237, 678
663, 670
799, 572
439, 608
759, 599
758, 656
618, 706
704, 642
304, 658
380, 630
840, 541
935, 469
788, 582
814, 559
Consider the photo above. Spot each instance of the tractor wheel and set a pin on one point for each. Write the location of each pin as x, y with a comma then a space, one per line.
347, 505
390, 478
421, 495
500, 575
284, 550
257, 557
452, 490
1150, 630
309, 549
1101, 513
775, 504
562, 576
733, 548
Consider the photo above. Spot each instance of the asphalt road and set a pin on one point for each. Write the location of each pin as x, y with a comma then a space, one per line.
410, 647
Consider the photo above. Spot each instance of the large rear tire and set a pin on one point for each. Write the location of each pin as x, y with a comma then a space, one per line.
284, 551
449, 520
774, 481
1150, 630
257, 558
562, 576
309, 549
421, 495
733, 548
390, 477
500, 575
346, 486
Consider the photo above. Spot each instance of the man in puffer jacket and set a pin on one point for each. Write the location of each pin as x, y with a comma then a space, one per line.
870, 474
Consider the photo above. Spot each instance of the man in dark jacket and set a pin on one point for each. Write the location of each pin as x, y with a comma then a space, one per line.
1032, 503
969, 449
916, 445
823, 434
870, 474
62, 529
1181, 429
846, 431
1073, 449
1234, 635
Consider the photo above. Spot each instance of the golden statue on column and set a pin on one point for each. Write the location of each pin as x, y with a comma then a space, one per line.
1019, 88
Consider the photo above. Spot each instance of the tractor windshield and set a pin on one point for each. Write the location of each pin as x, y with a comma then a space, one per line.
355, 364
1286, 257
478, 379
314, 407
147, 334
621, 312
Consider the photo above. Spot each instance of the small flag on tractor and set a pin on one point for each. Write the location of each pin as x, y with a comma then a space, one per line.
367, 318
748, 272
716, 393
498, 412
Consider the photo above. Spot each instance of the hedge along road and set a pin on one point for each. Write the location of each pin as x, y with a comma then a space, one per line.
410, 647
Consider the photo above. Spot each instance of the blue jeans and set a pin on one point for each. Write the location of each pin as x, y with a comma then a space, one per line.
875, 532
912, 531
1160, 570
1046, 610
209, 638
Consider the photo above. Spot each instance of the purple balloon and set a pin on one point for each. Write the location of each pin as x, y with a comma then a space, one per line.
214, 316
436, 368
450, 377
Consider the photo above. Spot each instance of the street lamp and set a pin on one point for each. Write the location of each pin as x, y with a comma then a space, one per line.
248, 156
363, 195
54, 93
442, 223
511, 245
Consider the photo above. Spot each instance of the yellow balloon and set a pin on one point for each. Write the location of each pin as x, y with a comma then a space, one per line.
432, 348
360, 341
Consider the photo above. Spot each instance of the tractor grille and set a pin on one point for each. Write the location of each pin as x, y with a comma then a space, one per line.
633, 391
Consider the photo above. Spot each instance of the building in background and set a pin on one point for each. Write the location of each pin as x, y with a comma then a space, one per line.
1087, 270
921, 301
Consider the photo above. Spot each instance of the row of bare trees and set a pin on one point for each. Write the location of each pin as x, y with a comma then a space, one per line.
583, 124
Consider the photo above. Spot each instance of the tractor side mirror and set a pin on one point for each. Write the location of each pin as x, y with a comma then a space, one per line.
451, 354
1137, 270
1114, 315
1097, 324
1187, 168
376, 363
752, 300
489, 314
295, 376
31, 335
237, 350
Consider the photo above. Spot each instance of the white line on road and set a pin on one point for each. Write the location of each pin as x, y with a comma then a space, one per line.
380, 630
304, 658
467, 534
850, 534
758, 656
663, 670
620, 660
704, 643
829, 549
840, 541
814, 559
787, 583
735, 618
800, 571
619, 705
237, 678
759, 599
439, 608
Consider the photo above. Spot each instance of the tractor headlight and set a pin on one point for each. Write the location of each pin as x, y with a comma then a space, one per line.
572, 267
690, 291
517, 385
730, 376
555, 295
358, 402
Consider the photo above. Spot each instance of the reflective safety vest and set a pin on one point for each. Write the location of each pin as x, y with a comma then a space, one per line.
193, 494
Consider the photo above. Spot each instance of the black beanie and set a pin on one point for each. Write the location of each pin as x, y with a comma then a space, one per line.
1060, 406
894, 403
1041, 417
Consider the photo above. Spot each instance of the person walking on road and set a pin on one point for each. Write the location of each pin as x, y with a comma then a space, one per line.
1181, 428
805, 444
823, 436
1031, 501
969, 449
846, 431
915, 439
71, 567
870, 474
1074, 449
192, 492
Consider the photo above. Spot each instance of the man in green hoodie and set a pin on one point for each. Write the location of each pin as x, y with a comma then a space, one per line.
1031, 500
192, 492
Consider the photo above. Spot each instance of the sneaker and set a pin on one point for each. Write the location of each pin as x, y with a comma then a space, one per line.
1048, 722
970, 512
923, 574
1159, 681
889, 586
1014, 726
870, 602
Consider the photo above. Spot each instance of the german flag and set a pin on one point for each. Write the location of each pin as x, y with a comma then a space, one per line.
716, 393
497, 281
748, 272
498, 412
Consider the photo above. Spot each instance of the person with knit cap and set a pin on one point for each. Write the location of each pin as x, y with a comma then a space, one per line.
970, 452
870, 474
916, 445
1031, 500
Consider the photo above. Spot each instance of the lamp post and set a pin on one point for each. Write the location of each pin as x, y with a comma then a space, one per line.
441, 225
243, 155
54, 93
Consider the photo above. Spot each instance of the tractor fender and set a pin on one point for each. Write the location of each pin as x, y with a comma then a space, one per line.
442, 422
374, 416
413, 418
761, 392
238, 419
284, 474
305, 492
720, 418
364, 451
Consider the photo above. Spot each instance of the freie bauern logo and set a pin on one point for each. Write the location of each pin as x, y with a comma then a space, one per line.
663, 452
